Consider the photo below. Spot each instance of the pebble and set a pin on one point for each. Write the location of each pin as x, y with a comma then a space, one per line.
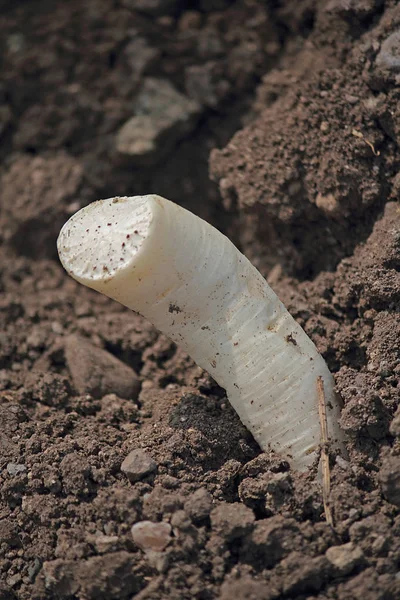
162, 117
389, 55
97, 372
345, 558
34, 568
137, 465
151, 536
351, 99
343, 464
15, 469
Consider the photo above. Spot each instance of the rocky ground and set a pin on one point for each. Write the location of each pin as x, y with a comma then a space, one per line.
124, 473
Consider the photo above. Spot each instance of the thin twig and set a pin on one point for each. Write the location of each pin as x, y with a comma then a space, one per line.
326, 474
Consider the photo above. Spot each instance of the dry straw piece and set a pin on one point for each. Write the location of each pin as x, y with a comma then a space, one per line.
194, 285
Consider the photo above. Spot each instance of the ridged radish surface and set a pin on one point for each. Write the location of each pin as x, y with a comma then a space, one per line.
194, 285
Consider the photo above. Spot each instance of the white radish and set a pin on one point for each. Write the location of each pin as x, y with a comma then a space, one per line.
194, 285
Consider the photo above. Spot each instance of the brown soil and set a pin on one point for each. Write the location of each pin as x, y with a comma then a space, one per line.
307, 187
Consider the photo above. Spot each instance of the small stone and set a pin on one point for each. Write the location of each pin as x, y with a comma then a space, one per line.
151, 536
33, 569
97, 372
345, 558
15, 469
232, 521
9, 534
351, 99
163, 116
389, 476
137, 465
386, 69
389, 55
343, 464
169, 482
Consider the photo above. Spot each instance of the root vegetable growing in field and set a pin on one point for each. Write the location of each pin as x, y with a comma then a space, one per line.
195, 286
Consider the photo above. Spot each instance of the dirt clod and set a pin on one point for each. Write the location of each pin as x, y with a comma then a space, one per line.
231, 521
390, 479
34, 209
345, 558
198, 505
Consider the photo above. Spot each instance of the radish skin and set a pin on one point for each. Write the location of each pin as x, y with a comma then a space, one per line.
194, 285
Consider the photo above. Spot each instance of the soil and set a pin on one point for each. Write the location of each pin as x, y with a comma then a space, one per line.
104, 423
